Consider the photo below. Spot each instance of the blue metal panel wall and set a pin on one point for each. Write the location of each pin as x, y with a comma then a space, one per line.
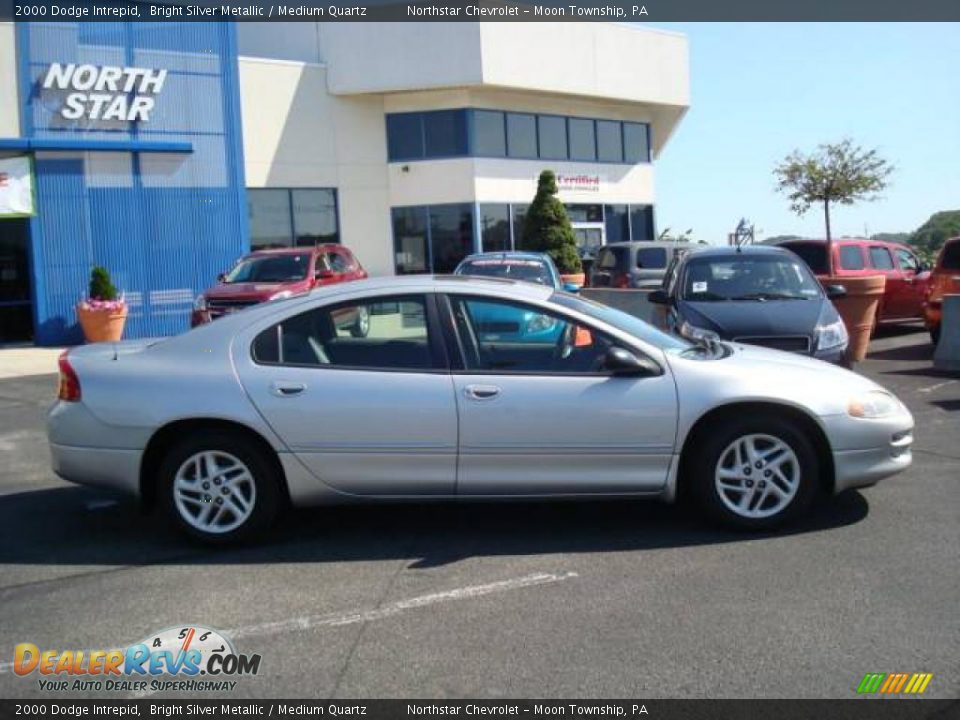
164, 224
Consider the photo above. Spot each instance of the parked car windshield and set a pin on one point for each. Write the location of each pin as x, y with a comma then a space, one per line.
622, 321
535, 271
270, 269
749, 277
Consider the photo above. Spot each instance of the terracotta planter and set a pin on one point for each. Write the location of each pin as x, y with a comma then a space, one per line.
858, 309
575, 278
102, 325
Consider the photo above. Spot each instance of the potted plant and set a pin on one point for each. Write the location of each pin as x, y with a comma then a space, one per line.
547, 229
103, 313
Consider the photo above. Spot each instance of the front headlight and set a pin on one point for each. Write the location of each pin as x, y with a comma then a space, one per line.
873, 404
280, 295
697, 334
832, 335
200, 303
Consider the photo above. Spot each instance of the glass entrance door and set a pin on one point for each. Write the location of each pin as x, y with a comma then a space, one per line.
16, 316
590, 237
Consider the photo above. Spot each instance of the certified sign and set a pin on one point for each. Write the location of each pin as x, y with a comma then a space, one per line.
584, 182
105, 92
16, 187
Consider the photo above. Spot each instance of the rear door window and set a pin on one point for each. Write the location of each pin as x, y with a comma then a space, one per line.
880, 258
851, 258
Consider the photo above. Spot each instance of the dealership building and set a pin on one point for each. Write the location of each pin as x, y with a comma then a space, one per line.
164, 151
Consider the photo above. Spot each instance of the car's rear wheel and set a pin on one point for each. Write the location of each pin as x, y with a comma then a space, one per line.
755, 473
219, 488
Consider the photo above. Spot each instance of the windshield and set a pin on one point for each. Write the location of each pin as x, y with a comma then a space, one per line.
749, 277
622, 321
534, 271
270, 269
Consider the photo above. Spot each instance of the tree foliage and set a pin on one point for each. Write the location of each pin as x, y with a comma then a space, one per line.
546, 227
101, 287
930, 236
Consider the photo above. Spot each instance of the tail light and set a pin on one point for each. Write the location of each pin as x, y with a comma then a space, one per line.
622, 281
69, 382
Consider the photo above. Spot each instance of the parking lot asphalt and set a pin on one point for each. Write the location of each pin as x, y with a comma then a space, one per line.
614, 599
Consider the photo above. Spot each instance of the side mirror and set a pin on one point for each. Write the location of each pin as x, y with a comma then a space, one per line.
624, 363
571, 287
659, 297
835, 291
221, 277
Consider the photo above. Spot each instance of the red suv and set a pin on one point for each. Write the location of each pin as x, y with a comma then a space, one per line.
272, 274
944, 280
907, 278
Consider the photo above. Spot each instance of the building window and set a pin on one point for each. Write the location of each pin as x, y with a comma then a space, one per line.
519, 213
432, 239
641, 222
617, 221
405, 136
495, 227
287, 217
583, 139
636, 143
445, 133
489, 134
553, 137
609, 141
521, 136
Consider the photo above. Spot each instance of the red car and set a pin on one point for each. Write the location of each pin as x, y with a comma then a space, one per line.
272, 274
907, 278
944, 280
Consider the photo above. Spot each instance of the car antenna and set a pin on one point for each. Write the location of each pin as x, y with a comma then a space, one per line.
743, 235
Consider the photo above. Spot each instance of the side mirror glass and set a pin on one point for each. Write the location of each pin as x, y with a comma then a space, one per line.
835, 291
571, 287
625, 363
659, 297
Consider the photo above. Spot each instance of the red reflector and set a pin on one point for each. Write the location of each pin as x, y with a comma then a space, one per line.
69, 382
623, 281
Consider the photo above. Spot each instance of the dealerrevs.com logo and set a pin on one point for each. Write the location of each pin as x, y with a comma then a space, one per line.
190, 659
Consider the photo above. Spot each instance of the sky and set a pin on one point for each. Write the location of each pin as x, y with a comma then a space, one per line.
760, 90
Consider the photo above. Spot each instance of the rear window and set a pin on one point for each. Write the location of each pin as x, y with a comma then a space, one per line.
651, 258
851, 258
813, 254
533, 271
950, 260
611, 258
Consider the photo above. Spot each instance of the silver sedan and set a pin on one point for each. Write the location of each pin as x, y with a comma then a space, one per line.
462, 389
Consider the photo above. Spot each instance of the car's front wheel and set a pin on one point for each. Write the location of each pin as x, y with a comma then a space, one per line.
218, 487
755, 473
361, 327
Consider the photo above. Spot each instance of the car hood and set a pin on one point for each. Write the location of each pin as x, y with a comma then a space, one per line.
731, 319
261, 291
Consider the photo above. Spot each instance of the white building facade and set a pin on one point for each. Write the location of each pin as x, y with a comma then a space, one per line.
418, 143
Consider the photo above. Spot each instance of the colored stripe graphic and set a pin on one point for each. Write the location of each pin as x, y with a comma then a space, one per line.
894, 683
871, 682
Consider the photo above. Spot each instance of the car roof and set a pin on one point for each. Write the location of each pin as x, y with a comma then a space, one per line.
722, 251
837, 241
508, 255
650, 243
294, 250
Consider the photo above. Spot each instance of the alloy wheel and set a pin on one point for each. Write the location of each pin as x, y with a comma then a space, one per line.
757, 476
214, 492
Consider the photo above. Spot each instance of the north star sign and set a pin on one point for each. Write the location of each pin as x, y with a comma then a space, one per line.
105, 92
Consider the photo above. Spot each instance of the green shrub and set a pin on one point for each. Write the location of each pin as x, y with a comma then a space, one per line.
547, 229
101, 288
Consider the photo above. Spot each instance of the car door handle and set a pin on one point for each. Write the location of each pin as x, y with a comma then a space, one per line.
283, 388
481, 392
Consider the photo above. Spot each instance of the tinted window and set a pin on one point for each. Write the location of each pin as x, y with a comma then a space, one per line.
813, 254
404, 136
636, 145
314, 216
270, 269
641, 222
651, 258
950, 258
507, 337
609, 141
410, 240
519, 215
521, 136
908, 261
553, 137
489, 136
451, 236
386, 333
624, 322
583, 140
851, 258
495, 227
270, 221
880, 258
445, 133
617, 223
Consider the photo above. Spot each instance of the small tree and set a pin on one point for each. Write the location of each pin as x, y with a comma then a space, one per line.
546, 227
101, 288
841, 173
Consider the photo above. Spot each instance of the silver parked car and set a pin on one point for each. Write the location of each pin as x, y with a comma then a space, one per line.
463, 388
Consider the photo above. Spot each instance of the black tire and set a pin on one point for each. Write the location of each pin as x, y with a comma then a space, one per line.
714, 444
268, 496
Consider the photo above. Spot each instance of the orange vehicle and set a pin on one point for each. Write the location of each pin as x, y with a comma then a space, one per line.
944, 280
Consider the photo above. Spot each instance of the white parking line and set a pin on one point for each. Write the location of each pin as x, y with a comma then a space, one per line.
338, 619
931, 388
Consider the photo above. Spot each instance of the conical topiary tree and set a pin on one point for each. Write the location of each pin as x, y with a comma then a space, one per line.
101, 288
547, 229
